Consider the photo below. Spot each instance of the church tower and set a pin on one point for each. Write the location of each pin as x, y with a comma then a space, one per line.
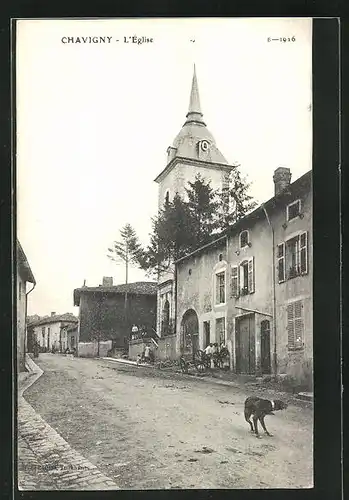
193, 152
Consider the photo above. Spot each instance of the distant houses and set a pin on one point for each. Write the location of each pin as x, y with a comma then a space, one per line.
24, 276
51, 331
107, 312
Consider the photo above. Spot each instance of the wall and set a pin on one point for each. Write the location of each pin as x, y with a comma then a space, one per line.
137, 347
167, 348
177, 179
21, 311
104, 315
196, 290
90, 349
298, 363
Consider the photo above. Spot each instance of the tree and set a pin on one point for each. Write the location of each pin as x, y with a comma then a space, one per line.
126, 250
170, 238
234, 200
182, 226
202, 204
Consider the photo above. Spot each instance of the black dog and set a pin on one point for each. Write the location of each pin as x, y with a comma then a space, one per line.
259, 408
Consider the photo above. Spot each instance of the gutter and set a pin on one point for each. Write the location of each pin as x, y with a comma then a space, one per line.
25, 329
273, 287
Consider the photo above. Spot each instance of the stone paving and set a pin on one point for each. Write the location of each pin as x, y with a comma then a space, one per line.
45, 460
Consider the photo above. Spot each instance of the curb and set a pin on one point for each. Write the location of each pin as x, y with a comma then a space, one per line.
33, 374
298, 400
51, 442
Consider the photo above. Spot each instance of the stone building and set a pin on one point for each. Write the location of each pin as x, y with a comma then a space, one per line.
50, 331
194, 151
24, 276
252, 287
103, 315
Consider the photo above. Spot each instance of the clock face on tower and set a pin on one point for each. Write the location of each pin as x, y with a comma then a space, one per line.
204, 145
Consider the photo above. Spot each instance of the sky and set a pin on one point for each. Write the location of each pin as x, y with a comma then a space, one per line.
94, 121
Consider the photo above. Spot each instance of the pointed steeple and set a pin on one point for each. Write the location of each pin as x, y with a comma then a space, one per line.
194, 114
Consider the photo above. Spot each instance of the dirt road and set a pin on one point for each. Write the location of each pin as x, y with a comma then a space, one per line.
149, 430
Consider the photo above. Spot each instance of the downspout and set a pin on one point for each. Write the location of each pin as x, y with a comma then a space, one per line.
226, 326
25, 329
273, 288
175, 303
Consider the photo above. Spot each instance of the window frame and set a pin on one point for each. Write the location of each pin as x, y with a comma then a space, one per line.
244, 287
221, 320
299, 201
248, 239
283, 259
298, 254
221, 272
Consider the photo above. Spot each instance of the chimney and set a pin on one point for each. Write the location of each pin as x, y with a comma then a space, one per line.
282, 179
107, 281
53, 313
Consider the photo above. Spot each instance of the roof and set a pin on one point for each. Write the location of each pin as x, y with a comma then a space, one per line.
137, 288
67, 317
23, 264
72, 327
302, 182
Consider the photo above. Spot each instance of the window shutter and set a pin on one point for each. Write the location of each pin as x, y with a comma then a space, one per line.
290, 325
234, 281
303, 244
281, 262
251, 275
241, 277
298, 323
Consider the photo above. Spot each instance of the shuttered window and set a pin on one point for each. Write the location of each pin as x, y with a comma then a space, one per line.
295, 324
292, 257
250, 283
303, 245
234, 281
220, 288
281, 262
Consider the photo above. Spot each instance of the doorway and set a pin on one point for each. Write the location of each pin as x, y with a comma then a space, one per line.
265, 347
245, 345
189, 332
207, 333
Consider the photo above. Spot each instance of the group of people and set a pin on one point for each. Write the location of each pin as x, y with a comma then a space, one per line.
138, 333
213, 348
147, 356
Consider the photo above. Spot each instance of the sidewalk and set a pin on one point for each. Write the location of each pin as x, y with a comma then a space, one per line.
45, 460
232, 380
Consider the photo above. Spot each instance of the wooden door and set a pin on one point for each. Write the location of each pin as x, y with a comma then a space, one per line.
245, 345
265, 347
207, 333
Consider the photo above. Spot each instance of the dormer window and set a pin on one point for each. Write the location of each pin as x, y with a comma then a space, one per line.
293, 210
244, 239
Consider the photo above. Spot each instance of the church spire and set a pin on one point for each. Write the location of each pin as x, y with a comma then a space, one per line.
194, 114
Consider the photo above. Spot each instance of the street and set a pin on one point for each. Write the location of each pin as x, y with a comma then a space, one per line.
146, 429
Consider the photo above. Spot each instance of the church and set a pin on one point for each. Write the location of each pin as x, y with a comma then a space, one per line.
251, 289
194, 151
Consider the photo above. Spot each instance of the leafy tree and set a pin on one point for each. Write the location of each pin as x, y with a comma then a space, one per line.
202, 204
170, 238
182, 226
234, 200
127, 249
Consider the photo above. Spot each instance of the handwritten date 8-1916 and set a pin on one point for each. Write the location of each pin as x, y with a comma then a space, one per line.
282, 39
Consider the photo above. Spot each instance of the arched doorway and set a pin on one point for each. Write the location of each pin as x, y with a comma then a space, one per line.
189, 332
265, 347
